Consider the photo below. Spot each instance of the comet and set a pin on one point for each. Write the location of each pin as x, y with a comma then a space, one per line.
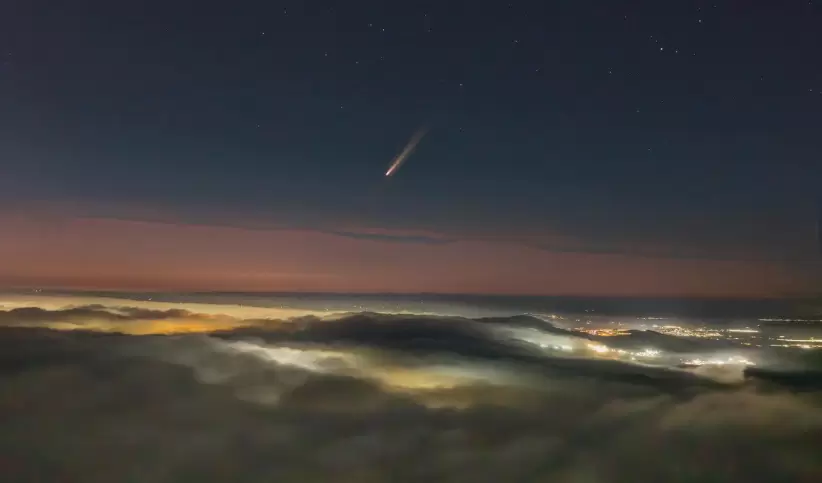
407, 150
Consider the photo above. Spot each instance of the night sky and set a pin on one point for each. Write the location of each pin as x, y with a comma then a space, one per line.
572, 148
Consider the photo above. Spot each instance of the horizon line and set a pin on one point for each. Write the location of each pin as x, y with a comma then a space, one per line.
30, 290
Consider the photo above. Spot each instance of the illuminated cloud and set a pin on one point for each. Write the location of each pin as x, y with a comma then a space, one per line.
217, 410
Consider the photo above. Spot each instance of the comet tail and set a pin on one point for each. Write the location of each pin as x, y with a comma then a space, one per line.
409, 148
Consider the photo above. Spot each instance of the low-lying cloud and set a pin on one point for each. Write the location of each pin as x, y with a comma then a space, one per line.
119, 319
374, 398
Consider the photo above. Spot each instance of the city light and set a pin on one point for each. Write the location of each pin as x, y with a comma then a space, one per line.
599, 348
648, 353
735, 360
603, 332
677, 331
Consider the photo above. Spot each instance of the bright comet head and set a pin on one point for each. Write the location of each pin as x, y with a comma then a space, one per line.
409, 148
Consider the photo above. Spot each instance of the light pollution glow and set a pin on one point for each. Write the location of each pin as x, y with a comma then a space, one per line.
424, 379
421, 380
204, 317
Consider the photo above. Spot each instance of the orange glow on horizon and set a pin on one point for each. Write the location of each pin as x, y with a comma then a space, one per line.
108, 254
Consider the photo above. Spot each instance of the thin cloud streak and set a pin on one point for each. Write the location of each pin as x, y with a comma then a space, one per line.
111, 254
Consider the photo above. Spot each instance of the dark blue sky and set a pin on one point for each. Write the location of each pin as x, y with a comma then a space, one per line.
680, 130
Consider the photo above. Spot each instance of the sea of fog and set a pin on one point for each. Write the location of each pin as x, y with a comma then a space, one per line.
288, 387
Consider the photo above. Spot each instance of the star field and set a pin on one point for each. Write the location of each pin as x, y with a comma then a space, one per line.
685, 130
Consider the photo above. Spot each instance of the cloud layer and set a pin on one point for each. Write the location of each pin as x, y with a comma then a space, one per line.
371, 397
